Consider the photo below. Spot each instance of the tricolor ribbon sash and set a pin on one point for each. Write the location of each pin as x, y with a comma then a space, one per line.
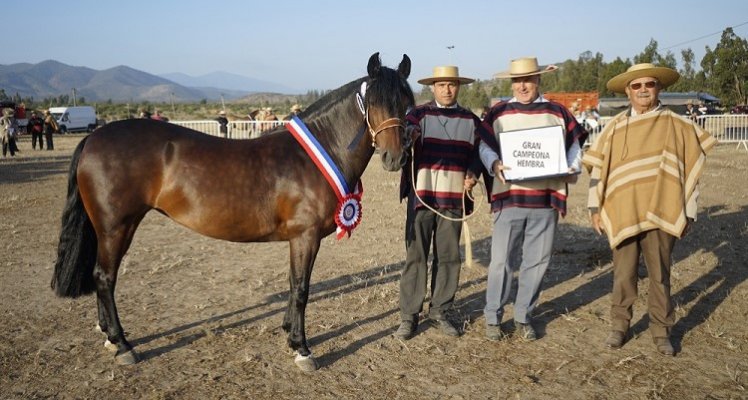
348, 212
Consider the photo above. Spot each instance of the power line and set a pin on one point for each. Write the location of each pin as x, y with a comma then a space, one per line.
705, 36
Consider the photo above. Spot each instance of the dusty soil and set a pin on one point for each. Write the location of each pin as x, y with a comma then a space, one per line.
205, 315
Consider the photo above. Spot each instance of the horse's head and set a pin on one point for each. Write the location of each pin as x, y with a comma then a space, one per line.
388, 97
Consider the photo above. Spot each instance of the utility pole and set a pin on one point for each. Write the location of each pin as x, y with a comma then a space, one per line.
173, 110
74, 97
223, 104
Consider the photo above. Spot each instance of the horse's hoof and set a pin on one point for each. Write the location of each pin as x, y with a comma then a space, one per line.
129, 357
306, 363
110, 346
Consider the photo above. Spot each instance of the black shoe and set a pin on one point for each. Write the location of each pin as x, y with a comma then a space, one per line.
526, 331
406, 330
446, 327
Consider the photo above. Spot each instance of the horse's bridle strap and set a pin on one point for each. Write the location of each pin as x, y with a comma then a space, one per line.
384, 125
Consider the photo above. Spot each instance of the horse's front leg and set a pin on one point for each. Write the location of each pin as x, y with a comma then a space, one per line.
303, 253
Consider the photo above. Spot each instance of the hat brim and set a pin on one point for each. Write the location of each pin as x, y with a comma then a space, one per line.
509, 75
434, 79
664, 75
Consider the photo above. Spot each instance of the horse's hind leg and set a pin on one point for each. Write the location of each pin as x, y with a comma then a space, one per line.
111, 250
303, 253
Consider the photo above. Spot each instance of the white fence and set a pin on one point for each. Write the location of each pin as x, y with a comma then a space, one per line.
726, 128
236, 129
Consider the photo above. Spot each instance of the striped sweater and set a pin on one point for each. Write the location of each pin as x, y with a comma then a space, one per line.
445, 147
643, 171
510, 116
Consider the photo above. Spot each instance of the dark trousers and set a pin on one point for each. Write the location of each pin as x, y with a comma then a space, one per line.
50, 144
34, 137
657, 247
423, 226
9, 144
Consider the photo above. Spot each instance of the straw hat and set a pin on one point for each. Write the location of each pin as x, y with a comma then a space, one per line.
8, 112
295, 107
445, 73
525, 66
665, 76
222, 112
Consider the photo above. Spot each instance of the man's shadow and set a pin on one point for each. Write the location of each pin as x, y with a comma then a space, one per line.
723, 234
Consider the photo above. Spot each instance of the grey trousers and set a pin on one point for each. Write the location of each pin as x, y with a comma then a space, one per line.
535, 229
421, 227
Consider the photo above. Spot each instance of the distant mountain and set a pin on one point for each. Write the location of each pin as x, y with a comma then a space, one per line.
52, 78
228, 82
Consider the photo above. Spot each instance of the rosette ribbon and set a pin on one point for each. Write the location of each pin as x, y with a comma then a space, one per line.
348, 212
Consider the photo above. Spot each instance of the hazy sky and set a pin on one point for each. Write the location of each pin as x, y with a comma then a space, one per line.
323, 44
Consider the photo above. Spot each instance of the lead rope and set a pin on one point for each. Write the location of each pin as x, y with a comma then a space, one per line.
465, 217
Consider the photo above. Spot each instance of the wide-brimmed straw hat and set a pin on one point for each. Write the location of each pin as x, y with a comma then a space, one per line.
525, 66
445, 73
664, 75
222, 112
295, 107
8, 112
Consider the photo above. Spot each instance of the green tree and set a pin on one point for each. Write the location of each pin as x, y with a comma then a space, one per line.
726, 69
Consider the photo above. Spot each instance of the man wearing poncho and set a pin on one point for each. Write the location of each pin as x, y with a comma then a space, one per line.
644, 169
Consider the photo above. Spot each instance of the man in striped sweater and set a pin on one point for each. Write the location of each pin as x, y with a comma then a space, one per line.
525, 212
644, 169
444, 164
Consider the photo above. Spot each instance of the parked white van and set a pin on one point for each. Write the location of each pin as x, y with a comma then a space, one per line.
71, 119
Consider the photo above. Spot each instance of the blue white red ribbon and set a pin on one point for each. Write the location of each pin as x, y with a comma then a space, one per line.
348, 212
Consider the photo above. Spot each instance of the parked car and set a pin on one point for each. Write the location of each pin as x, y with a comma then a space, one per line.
741, 109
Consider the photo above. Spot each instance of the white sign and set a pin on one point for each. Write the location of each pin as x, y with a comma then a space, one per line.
534, 153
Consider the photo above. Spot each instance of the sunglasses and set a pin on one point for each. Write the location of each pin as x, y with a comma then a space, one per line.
648, 85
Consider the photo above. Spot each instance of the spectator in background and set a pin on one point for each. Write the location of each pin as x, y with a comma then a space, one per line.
295, 110
223, 123
145, 114
692, 112
36, 128
9, 131
158, 117
50, 127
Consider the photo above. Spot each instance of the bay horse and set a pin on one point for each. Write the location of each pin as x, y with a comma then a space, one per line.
265, 189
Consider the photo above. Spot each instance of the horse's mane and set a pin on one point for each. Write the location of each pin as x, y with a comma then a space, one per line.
332, 108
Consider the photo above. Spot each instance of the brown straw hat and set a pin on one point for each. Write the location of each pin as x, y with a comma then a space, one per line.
445, 73
664, 75
525, 66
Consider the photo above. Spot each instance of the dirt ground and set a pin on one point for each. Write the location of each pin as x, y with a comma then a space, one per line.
205, 315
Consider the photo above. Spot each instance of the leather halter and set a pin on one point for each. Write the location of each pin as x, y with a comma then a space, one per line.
383, 126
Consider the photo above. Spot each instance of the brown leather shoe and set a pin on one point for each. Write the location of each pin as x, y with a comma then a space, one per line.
664, 346
615, 339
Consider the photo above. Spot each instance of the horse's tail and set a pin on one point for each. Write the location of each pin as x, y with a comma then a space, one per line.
76, 252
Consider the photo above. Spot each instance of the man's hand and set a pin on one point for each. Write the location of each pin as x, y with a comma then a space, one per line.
596, 224
498, 170
572, 177
470, 181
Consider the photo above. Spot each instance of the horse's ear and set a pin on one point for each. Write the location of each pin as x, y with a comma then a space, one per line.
374, 65
404, 68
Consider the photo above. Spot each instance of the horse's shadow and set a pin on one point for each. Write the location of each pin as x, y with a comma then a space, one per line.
715, 232
322, 290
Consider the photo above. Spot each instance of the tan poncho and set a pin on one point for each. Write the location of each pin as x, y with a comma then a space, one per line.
643, 172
